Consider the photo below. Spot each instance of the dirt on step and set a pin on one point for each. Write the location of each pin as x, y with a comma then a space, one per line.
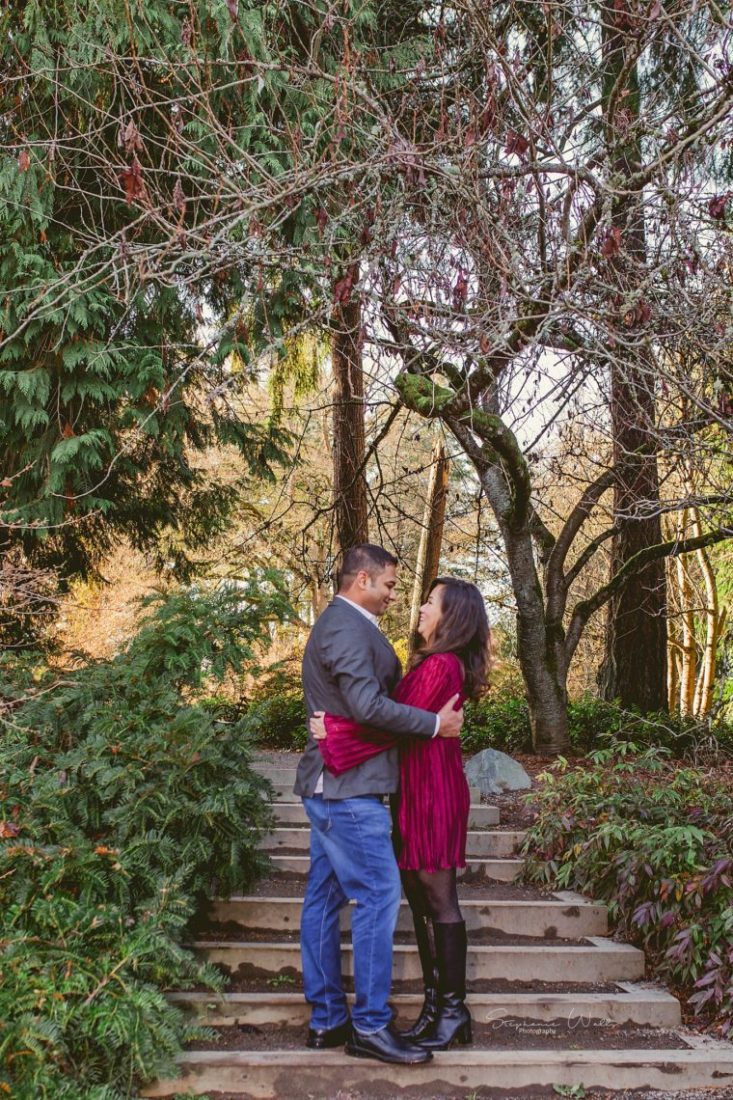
288, 981
506, 1034
293, 886
488, 1093
484, 937
515, 807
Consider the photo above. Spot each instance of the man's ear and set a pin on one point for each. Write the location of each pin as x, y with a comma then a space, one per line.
362, 579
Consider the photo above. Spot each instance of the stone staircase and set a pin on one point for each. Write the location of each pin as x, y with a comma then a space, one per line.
554, 1001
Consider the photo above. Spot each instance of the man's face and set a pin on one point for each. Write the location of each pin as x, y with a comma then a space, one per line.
377, 593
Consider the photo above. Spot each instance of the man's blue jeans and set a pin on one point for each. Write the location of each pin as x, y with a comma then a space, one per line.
351, 859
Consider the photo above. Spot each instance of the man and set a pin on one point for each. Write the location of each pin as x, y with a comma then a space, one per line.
349, 669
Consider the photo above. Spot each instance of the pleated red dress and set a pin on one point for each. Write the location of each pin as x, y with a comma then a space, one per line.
432, 815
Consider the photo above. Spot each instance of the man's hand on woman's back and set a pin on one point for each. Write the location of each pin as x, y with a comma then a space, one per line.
451, 720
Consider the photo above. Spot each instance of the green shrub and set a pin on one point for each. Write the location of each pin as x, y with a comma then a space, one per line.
653, 840
276, 708
123, 802
590, 720
492, 723
502, 722
280, 722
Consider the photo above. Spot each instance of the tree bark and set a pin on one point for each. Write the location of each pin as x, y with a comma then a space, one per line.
349, 479
541, 652
637, 613
703, 700
688, 645
431, 536
673, 674
504, 475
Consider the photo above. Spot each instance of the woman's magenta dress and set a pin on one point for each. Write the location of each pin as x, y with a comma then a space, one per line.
432, 815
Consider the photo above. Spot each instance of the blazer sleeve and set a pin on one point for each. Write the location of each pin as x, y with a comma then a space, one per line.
352, 667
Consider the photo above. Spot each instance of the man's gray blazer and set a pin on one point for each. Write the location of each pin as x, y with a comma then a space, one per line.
349, 669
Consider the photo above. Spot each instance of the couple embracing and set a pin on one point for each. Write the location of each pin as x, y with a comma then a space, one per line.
377, 741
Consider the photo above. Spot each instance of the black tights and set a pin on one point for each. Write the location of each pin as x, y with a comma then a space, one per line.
433, 895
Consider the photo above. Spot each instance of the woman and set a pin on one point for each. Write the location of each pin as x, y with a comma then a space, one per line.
432, 815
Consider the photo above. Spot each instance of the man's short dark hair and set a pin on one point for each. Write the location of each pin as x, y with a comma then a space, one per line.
372, 559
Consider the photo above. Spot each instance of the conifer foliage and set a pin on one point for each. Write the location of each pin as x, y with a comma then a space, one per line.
124, 800
111, 383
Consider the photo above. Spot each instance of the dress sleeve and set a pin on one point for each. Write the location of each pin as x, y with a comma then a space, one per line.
348, 744
433, 683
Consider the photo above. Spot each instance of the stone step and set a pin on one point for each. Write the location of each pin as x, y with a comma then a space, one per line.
483, 844
283, 780
268, 1074
292, 814
564, 914
500, 870
600, 960
282, 791
641, 1005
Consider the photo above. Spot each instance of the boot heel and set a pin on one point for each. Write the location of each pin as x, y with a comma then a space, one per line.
464, 1035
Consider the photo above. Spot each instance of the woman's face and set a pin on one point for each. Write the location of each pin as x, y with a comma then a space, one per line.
430, 613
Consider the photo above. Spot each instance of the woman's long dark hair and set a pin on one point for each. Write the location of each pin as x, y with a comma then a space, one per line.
463, 629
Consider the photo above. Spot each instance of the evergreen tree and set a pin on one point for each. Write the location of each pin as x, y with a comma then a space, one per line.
128, 797
117, 368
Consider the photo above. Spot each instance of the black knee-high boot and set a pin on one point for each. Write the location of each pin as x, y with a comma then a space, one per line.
453, 1023
422, 1028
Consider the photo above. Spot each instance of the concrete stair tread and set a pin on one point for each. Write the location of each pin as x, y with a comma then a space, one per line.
227, 932
626, 1002
265, 1074
566, 915
468, 1056
498, 1035
282, 792
598, 943
624, 991
553, 900
556, 900
505, 870
491, 892
480, 843
599, 960
595, 943
290, 813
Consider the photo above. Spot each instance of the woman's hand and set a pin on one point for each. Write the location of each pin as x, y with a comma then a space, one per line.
318, 725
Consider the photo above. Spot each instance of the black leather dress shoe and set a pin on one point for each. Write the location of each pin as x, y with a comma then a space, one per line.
386, 1045
326, 1038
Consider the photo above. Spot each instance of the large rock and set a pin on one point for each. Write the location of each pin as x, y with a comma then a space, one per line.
494, 772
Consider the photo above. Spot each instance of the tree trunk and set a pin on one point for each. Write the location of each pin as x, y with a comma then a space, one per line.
541, 653
688, 645
431, 536
635, 666
713, 623
673, 641
673, 675
319, 585
349, 479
